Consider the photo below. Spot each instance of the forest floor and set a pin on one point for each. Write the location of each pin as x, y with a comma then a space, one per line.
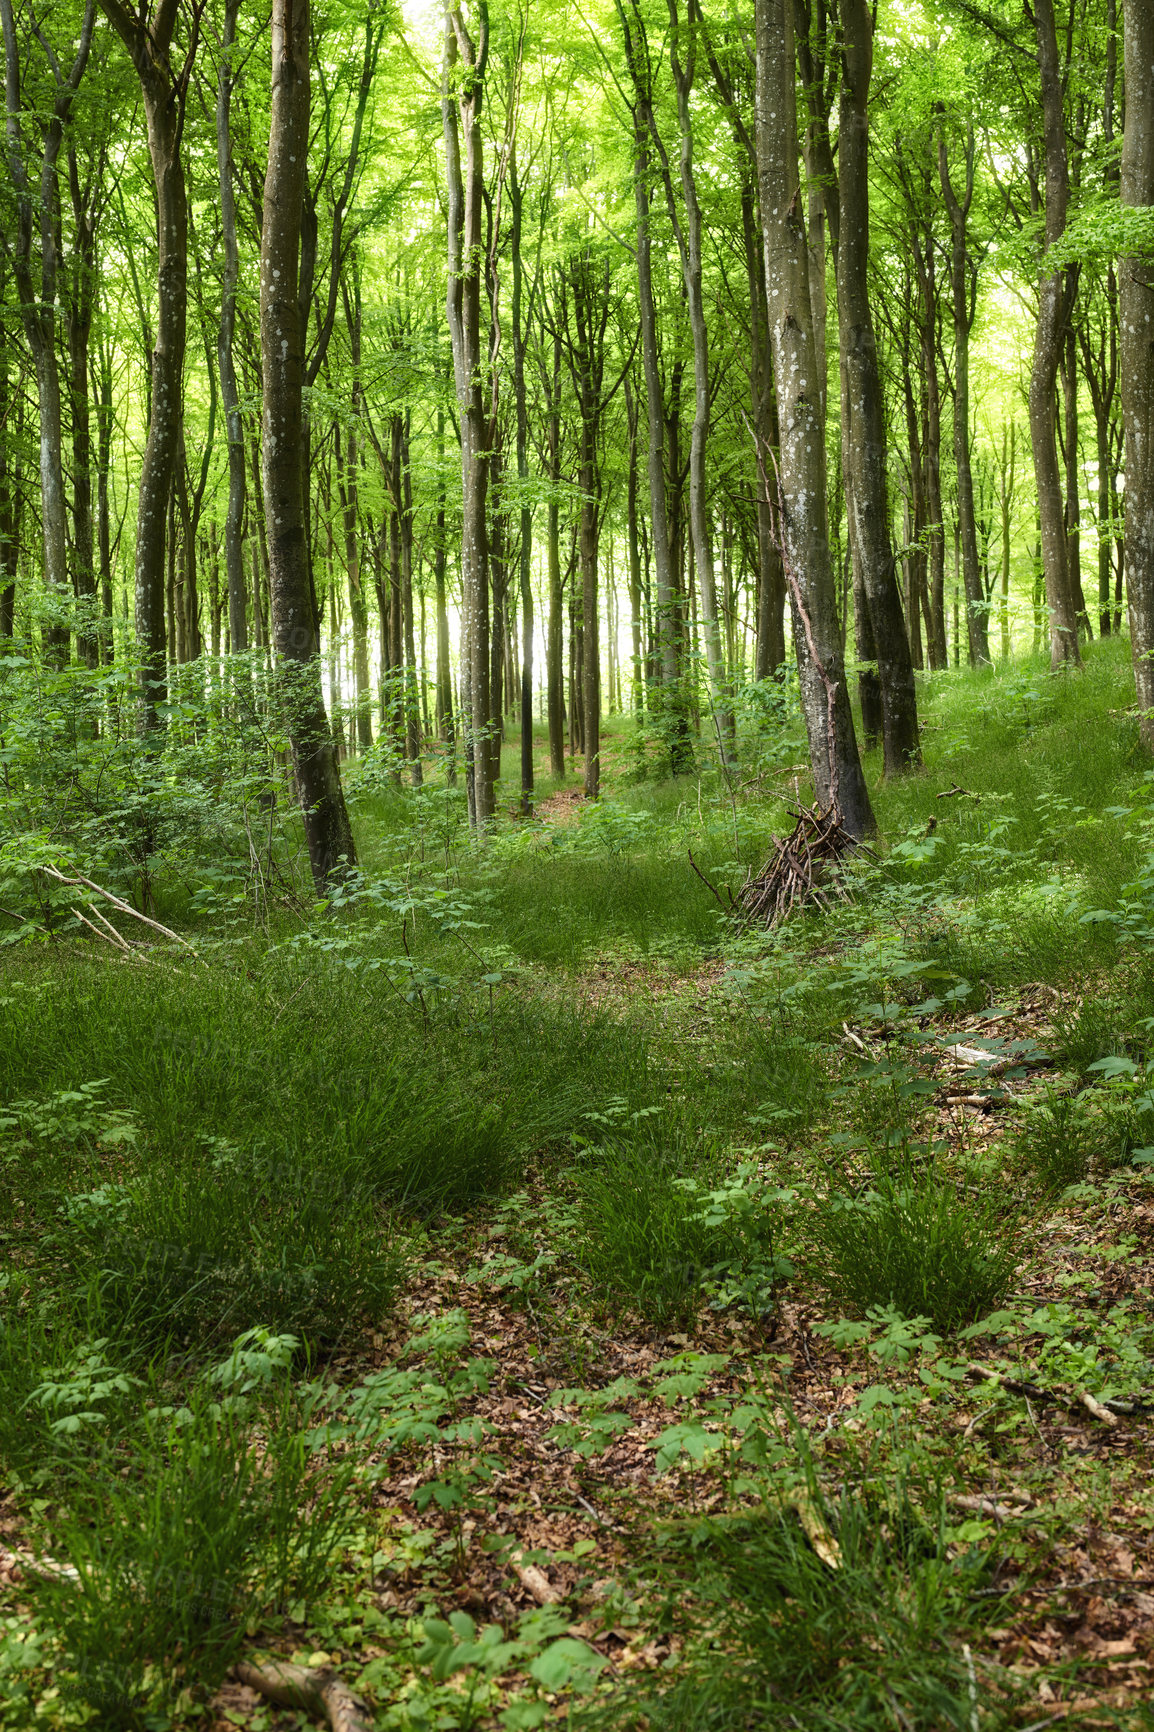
533, 1297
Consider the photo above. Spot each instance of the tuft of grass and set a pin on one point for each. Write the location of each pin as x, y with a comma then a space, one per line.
876, 1642
187, 1531
641, 1238
918, 1243
201, 1253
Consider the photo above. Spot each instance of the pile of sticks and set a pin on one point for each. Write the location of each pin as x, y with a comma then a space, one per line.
802, 870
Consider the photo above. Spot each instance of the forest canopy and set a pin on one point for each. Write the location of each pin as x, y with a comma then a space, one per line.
455, 366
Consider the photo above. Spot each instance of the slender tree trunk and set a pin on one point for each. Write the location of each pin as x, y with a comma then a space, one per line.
10, 502
1136, 358
520, 337
461, 99
1008, 464
81, 295
1069, 377
977, 606
865, 434
229, 394
1048, 338
837, 771
412, 696
38, 209
326, 822
672, 695
689, 247
148, 38
636, 622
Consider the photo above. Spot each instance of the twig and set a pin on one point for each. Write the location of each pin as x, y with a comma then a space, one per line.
712, 888
124, 907
116, 940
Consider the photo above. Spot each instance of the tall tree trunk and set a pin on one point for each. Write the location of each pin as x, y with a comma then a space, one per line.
770, 650
1048, 338
412, 690
10, 500
554, 647
977, 606
836, 766
865, 433
461, 99
636, 623
102, 391
521, 322
229, 394
590, 302
1069, 377
147, 35
38, 207
1006, 506
327, 830
922, 246
672, 695
81, 295
1136, 358
446, 723
689, 247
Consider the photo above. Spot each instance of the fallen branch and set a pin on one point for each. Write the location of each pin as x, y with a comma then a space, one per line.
536, 1581
712, 888
318, 1690
123, 907
1105, 1411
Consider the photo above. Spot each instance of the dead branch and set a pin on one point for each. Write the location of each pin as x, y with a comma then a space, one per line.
318, 1690
803, 870
123, 907
712, 888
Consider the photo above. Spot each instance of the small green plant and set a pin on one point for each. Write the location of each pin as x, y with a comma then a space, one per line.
185, 1531
917, 1242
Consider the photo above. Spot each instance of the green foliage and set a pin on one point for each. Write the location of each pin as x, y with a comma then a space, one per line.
873, 1642
916, 1242
185, 1532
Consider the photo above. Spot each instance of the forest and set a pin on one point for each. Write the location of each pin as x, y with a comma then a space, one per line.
577, 865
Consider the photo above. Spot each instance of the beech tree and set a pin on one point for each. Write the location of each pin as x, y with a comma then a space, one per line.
326, 821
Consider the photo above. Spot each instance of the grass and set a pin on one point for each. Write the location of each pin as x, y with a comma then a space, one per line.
180, 1537
546, 1060
877, 1641
914, 1242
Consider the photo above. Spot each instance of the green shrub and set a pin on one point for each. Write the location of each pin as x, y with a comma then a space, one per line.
920, 1244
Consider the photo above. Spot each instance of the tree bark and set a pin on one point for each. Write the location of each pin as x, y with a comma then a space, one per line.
865, 434
326, 822
977, 606
1048, 339
461, 100
1136, 358
836, 766
229, 394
